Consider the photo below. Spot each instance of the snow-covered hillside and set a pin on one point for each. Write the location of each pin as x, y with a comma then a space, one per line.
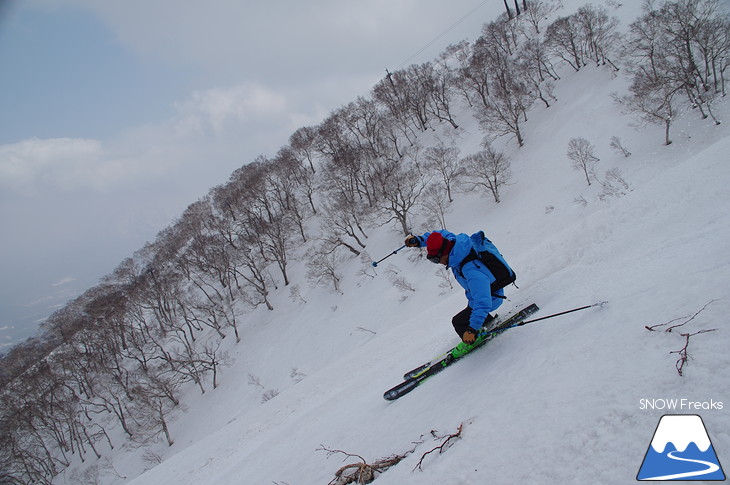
559, 401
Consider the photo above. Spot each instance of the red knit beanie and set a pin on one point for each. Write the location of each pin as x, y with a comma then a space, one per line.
436, 244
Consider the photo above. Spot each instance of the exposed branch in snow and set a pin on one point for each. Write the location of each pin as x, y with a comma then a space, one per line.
362, 472
688, 319
683, 354
442, 447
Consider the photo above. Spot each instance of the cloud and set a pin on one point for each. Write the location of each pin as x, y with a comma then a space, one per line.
53, 159
152, 151
218, 107
63, 165
64, 281
282, 44
230, 35
260, 71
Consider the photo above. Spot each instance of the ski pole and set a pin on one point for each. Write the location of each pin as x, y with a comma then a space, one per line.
525, 322
375, 263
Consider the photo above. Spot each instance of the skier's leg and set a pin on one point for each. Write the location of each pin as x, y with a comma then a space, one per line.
461, 321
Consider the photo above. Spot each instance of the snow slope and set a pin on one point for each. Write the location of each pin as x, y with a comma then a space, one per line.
559, 401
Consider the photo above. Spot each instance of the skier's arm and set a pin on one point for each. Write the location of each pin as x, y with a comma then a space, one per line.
420, 241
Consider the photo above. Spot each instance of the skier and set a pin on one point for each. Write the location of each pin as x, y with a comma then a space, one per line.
460, 253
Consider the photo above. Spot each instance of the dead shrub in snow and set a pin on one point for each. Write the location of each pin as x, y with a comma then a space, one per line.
362, 472
399, 281
445, 280
614, 184
683, 352
268, 394
617, 145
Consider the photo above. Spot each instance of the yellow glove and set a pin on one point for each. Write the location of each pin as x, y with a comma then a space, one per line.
412, 241
469, 336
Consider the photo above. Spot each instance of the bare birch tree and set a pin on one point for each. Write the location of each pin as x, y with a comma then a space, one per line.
580, 152
488, 169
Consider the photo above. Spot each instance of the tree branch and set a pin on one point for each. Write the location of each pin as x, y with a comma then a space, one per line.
441, 448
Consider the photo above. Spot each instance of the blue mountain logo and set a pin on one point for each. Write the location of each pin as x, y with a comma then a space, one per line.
681, 450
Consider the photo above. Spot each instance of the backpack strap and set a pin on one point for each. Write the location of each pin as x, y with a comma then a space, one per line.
472, 256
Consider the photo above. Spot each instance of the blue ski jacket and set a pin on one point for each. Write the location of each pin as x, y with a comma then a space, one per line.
474, 277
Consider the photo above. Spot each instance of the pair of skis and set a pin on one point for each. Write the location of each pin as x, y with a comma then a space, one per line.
417, 376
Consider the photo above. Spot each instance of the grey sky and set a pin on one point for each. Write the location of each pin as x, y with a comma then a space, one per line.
114, 116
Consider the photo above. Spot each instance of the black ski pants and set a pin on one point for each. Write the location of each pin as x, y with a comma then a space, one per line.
461, 320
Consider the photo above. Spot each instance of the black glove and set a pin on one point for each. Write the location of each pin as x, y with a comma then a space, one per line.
412, 242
